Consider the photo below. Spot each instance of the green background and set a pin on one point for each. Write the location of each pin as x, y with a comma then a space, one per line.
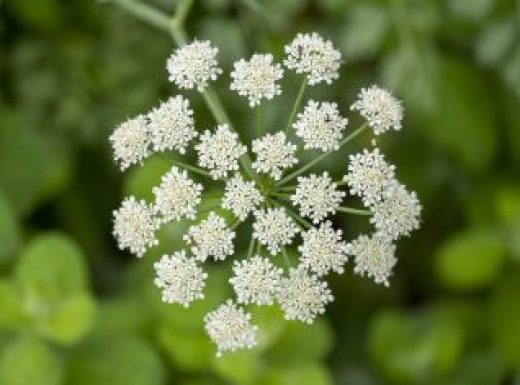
74, 310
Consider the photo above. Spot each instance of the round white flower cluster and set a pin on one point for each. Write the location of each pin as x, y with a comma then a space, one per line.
288, 258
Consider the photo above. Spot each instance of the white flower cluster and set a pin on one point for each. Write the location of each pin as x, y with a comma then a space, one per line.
263, 178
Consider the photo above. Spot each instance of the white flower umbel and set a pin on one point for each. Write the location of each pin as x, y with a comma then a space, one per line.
317, 196
230, 328
241, 197
398, 213
380, 108
373, 257
210, 238
135, 225
193, 65
323, 250
257, 78
131, 142
255, 280
171, 125
320, 126
219, 151
274, 229
310, 54
369, 175
273, 154
177, 197
179, 278
302, 296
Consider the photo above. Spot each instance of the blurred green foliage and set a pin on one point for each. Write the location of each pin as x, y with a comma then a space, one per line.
76, 311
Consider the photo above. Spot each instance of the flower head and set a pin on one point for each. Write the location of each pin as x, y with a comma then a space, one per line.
323, 250
273, 154
302, 296
369, 174
135, 225
219, 151
380, 108
320, 126
373, 256
229, 327
193, 65
317, 196
177, 196
131, 142
210, 238
274, 229
171, 125
310, 54
179, 278
255, 280
257, 78
241, 197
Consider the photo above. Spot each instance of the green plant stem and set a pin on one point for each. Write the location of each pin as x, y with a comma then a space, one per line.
351, 210
286, 258
321, 157
302, 222
146, 13
297, 103
251, 247
281, 195
189, 167
259, 127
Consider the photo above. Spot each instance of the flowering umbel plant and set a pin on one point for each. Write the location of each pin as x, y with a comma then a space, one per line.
265, 187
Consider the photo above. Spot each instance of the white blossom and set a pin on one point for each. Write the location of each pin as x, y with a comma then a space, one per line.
135, 226
373, 257
397, 213
193, 65
179, 278
302, 296
230, 328
241, 197
310, 54
323, 250
257, 78
380, 108
274, 229
219, 151
368, 176
320, 126
255, 280
317, 196
171, 125
131, 142
273, 154
177, 196
210, 238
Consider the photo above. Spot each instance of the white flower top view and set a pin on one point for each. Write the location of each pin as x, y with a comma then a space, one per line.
259, 198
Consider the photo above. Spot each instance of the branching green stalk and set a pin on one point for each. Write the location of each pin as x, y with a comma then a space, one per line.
297, 103
321, 157
351, 210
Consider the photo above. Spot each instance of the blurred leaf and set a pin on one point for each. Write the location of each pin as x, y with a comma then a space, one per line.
480, 368
310, 374
11, 313
27, 361
9, 231
471, 259
495, 41
472, 10
241, 367
226, 35
511, 71
142, 179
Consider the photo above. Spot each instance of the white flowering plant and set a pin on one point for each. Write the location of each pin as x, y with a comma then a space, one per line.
265, 188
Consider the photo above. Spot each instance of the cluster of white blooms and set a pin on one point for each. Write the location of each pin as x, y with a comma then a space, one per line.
219, 151
241, 197
257, 78
263, 178
379, 107
317, 196
193, 65
313, 56
210, 238
177, 196
320, 126
274, 154
180, 279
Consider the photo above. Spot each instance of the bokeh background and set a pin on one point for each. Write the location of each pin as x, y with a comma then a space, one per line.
74, 310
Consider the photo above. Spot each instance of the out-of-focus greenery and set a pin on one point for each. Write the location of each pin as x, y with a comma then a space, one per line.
76, 311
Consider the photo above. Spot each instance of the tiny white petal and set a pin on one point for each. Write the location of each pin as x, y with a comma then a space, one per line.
131, 142
273, 154
274, 229
241, 197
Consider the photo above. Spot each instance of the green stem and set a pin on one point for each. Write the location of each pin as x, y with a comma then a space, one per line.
321, 157
259, 127
302, 222
297, 103
251, 247
146, 13
351, 210
281, 195
189, 167
286, 258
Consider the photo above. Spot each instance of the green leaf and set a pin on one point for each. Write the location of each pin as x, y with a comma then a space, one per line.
9, 230
471, 260
495, 41
27, 361
11, 313
241, 367
142, 179
308, 374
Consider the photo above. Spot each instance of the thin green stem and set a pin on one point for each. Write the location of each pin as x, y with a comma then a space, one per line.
286, 188
302, 222
286, 258
146, 13
189, 167
235, 224
259, 127
319, 158
351, 210
281, 195
297, 103
251, 247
